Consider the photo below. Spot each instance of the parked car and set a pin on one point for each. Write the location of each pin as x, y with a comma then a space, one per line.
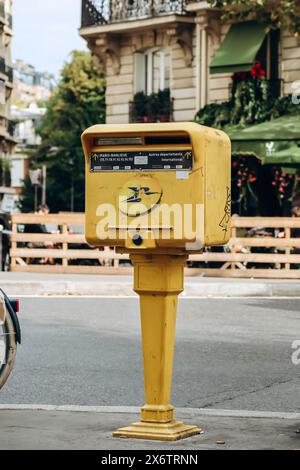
10, 335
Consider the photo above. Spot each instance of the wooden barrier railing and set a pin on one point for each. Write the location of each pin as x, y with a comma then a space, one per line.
68, 251
271, 254
274, 253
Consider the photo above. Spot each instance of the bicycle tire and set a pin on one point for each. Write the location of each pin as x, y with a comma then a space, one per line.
10, 350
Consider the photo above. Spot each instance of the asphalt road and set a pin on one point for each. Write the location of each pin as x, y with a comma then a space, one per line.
230, 354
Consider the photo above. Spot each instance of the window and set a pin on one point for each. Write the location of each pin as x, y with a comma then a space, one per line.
2, 93
152, 70
268, 56
17, 172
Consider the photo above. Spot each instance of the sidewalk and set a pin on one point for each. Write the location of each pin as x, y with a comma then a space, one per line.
91, 428
75, 284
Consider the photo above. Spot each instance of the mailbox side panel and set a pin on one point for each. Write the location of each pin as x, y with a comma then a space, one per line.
90, 215
217, 188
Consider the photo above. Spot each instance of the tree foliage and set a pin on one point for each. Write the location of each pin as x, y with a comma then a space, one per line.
77, 103
275, 13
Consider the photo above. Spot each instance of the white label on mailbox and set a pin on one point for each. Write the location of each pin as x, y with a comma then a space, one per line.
141, 160
182, 175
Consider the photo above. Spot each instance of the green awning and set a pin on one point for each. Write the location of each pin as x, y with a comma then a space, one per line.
280, 129
289, 156
259, 149
239, 49
269, 140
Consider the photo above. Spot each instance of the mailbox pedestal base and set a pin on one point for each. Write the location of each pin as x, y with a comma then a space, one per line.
158, 279
157, 431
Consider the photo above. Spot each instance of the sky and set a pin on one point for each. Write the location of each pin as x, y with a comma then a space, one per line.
45, 32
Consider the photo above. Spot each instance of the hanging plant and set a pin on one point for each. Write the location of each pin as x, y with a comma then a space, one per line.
276, 14
285, 182
244, 179
251, 102
164, 104
250, 96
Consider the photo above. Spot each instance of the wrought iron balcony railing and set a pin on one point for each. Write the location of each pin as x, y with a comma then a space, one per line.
11, 127
6, 70
2, 66
9, 72
142, 111
99, 12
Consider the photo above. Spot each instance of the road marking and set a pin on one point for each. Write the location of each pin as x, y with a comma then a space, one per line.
75, 296
181, 297
187, 412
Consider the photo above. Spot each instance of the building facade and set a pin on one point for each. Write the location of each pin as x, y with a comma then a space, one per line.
147, 47
26, 121
6, 86
30, 85
31, 89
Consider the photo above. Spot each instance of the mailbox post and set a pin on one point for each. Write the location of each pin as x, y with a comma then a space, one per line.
158, 192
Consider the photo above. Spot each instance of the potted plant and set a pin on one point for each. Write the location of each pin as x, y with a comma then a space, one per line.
164, 105
139, 107
151, 108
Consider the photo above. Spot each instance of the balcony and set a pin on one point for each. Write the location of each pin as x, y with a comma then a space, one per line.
2, 66
6, 70
273, 88
11, 127
102, 12
9, 72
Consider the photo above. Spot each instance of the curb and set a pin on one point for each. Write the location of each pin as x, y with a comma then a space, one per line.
67, 288
184, 412
125, 289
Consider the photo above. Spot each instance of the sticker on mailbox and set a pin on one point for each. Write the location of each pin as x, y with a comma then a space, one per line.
142, 160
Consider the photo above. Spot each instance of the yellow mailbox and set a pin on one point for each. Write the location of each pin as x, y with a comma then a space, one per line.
158, 192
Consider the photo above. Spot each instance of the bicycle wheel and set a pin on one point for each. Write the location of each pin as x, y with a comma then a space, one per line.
8, 349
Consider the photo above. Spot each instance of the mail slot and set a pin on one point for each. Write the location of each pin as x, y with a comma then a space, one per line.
157, 186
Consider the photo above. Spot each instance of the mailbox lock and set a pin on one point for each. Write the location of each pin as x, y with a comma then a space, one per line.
137, 239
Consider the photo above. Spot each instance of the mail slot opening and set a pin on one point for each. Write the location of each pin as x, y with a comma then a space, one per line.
158, 139
167, 139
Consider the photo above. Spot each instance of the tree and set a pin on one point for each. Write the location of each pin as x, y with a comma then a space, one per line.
77, 103
275, 13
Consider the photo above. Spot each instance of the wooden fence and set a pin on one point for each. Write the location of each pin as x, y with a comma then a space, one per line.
34, 252
271, 250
